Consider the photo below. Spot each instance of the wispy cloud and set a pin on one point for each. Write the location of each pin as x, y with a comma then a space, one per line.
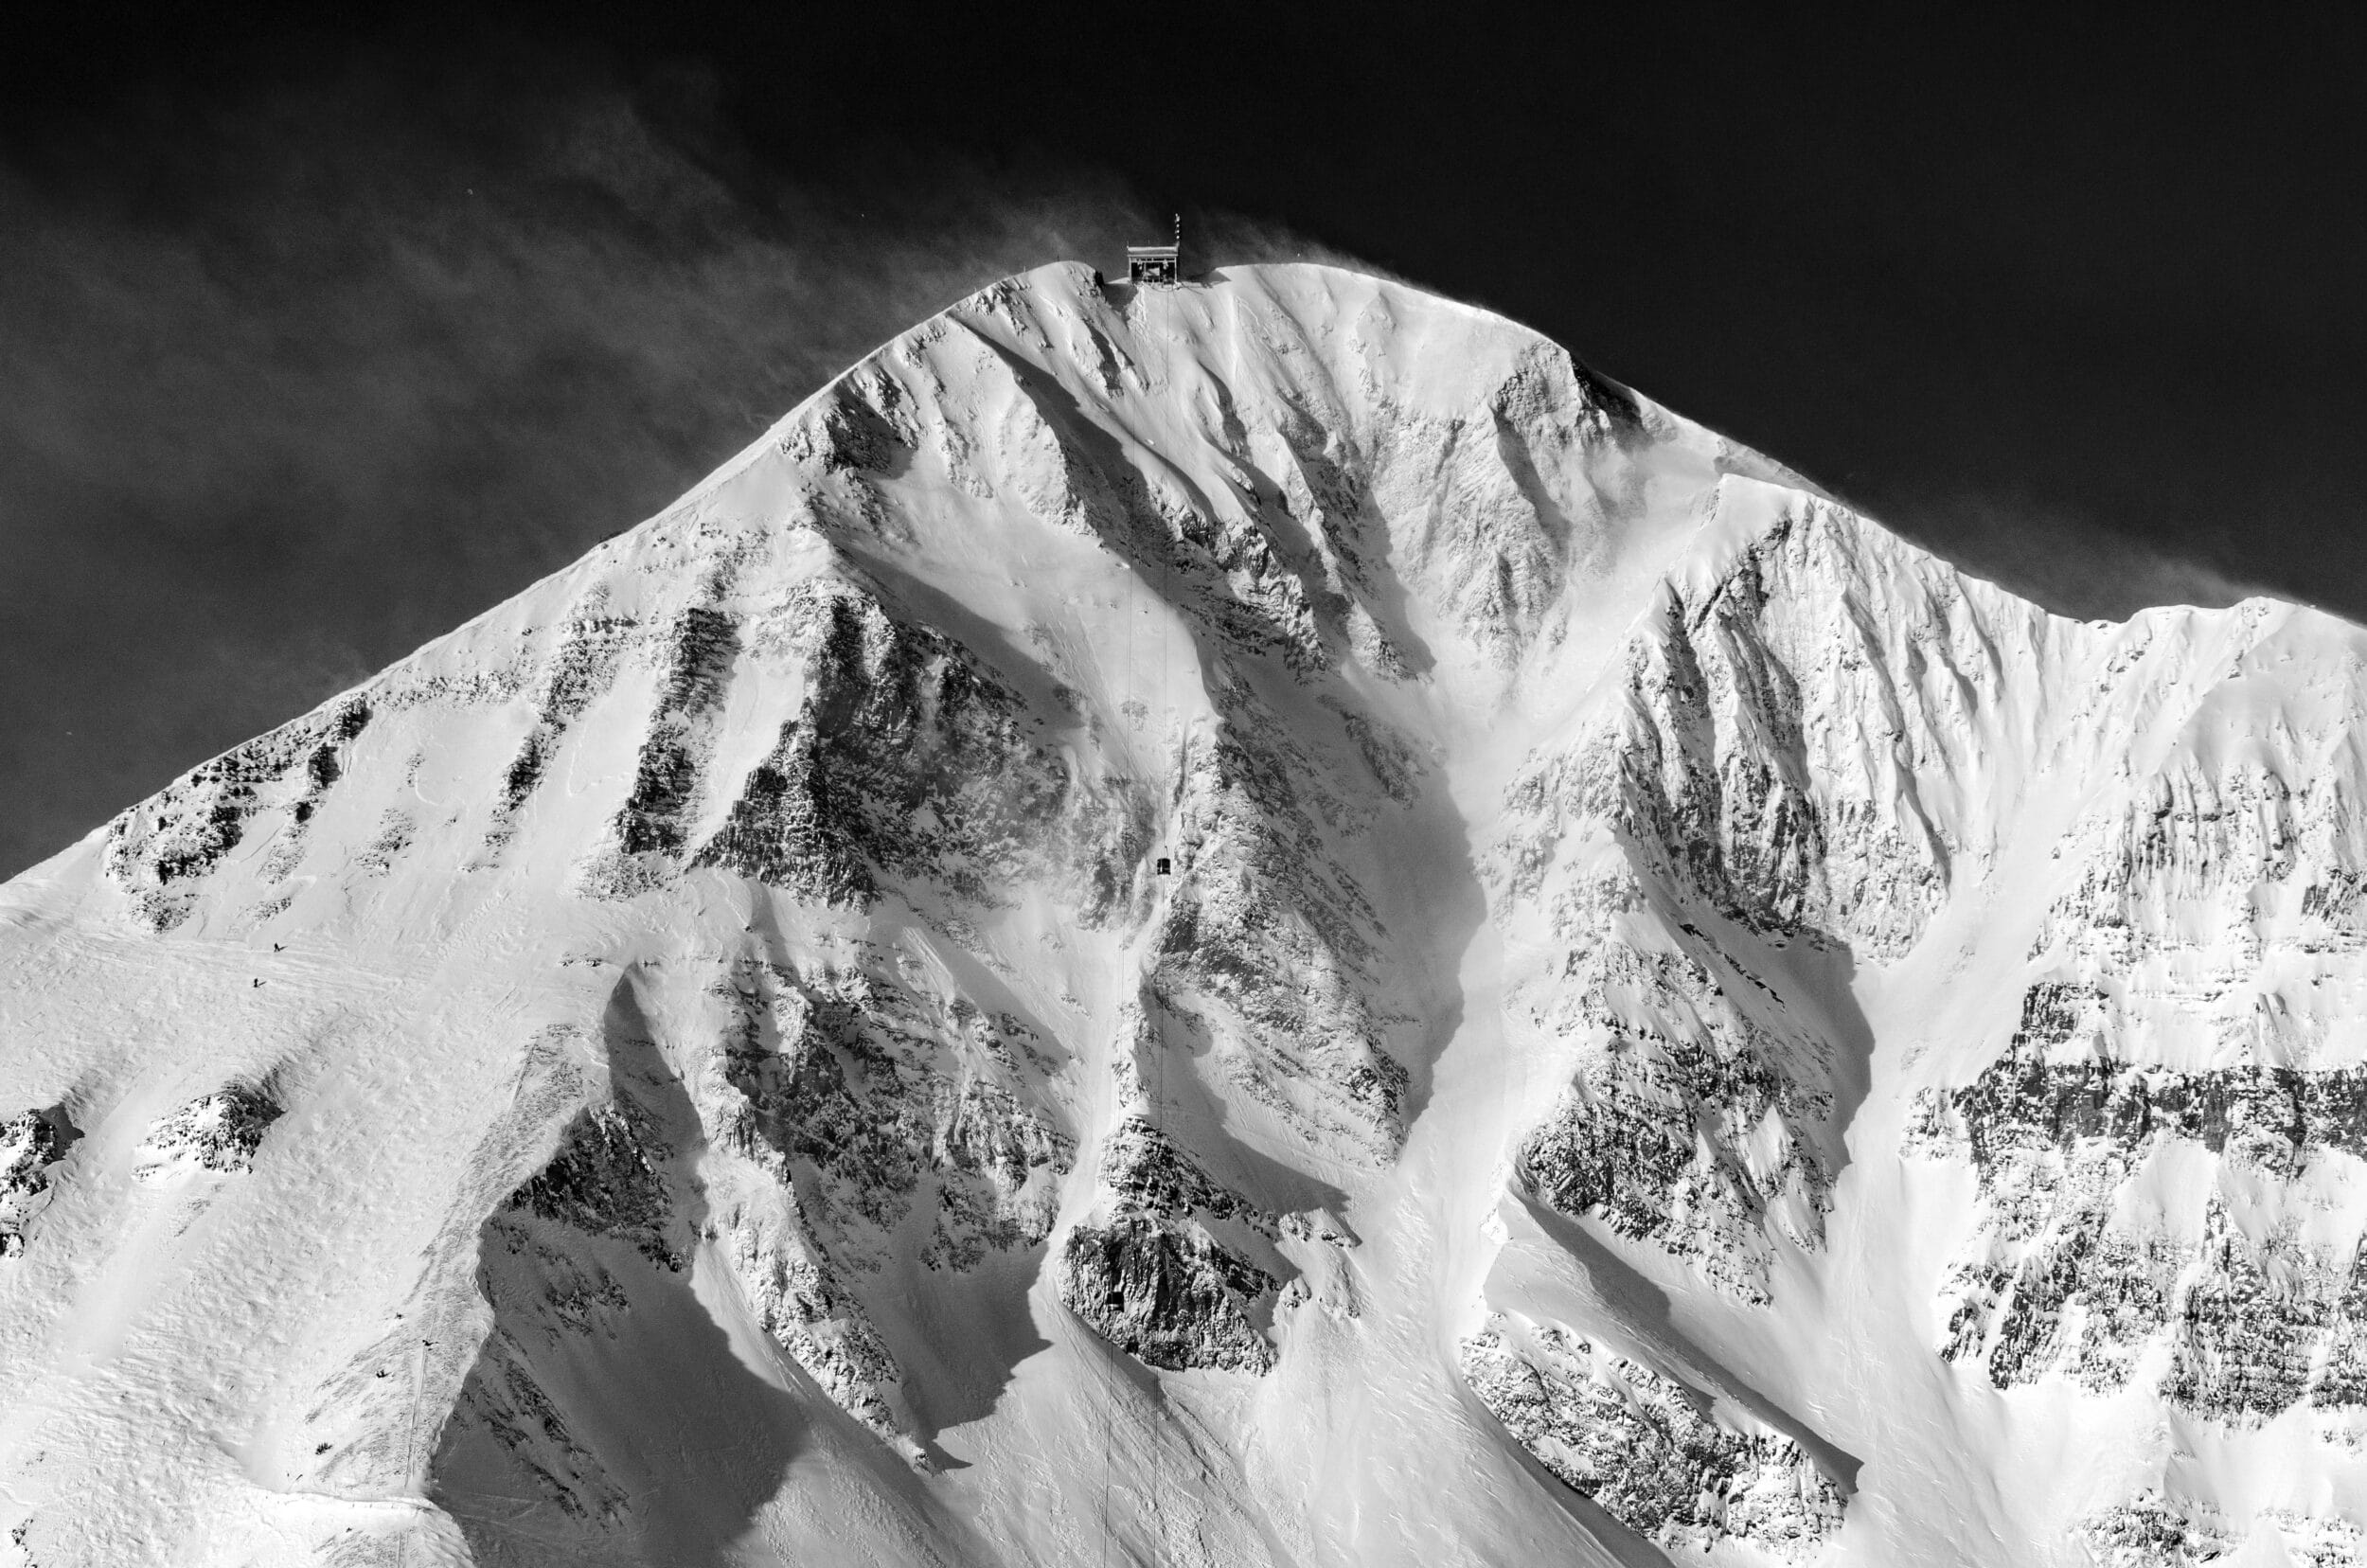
298, 381
292, 383
2070, 563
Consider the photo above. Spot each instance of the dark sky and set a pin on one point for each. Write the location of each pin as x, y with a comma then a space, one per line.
316, 339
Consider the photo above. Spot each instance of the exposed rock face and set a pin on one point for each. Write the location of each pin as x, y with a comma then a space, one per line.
1739, 766
1269, 943
1646, 1447
885, 1101
1169, 1294
701, 650
2192, 969
1665, 1135
910, 757
220, 1133
608, 1180
30, 1144
2152, 1531
1725, 809
581, 669
159, 848
1151, 1278
1250, 924
2254, 1325
877, 1122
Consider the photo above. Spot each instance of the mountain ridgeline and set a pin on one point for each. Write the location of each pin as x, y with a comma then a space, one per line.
1253, 924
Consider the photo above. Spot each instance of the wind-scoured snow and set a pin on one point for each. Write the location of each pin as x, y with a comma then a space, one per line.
1251, 924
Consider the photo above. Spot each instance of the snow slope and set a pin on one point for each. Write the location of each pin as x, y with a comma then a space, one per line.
1248, 924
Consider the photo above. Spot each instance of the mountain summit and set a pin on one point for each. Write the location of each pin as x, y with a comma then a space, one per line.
1247, 924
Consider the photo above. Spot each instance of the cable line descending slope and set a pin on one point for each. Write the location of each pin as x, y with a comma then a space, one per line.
1676, 1026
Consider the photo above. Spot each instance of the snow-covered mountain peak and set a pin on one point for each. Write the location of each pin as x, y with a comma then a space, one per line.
1257, 924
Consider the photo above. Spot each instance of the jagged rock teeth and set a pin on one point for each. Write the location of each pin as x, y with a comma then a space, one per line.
1167, 1292
580, 670
2154, 1531
218, 1132
1644, 1446
1151, 1277
787, 829
30, 1144
864, 1089
1142, 1169
2056, 1281
1665, 1134
908, 757
160, 849
1270, 941
701, 652
607, 1179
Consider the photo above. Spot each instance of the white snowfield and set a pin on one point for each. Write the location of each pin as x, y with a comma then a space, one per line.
1248, 924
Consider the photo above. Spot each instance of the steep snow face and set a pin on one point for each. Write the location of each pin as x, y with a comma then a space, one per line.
1254, 923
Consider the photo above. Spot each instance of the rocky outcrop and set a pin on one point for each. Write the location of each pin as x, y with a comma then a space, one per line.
2057, 1127
1149, 1273
220, 1133
2155, 1529
1650, 1449
2225, 862
788, 827
866, 1118
1168, 1294
31, 1145
2147, 1139
701, 650
822, 1130
1685, 1124
909, 759
608, 1179
1766, 791
2033, 1100
1270, 943
889, 1108
159, 850
577, 672
1787, 756
697, 654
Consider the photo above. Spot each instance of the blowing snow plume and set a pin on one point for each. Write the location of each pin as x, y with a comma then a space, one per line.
313, 374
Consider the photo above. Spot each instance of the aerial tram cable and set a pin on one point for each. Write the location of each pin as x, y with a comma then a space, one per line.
1149, 272
1166, 560
1164, 610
